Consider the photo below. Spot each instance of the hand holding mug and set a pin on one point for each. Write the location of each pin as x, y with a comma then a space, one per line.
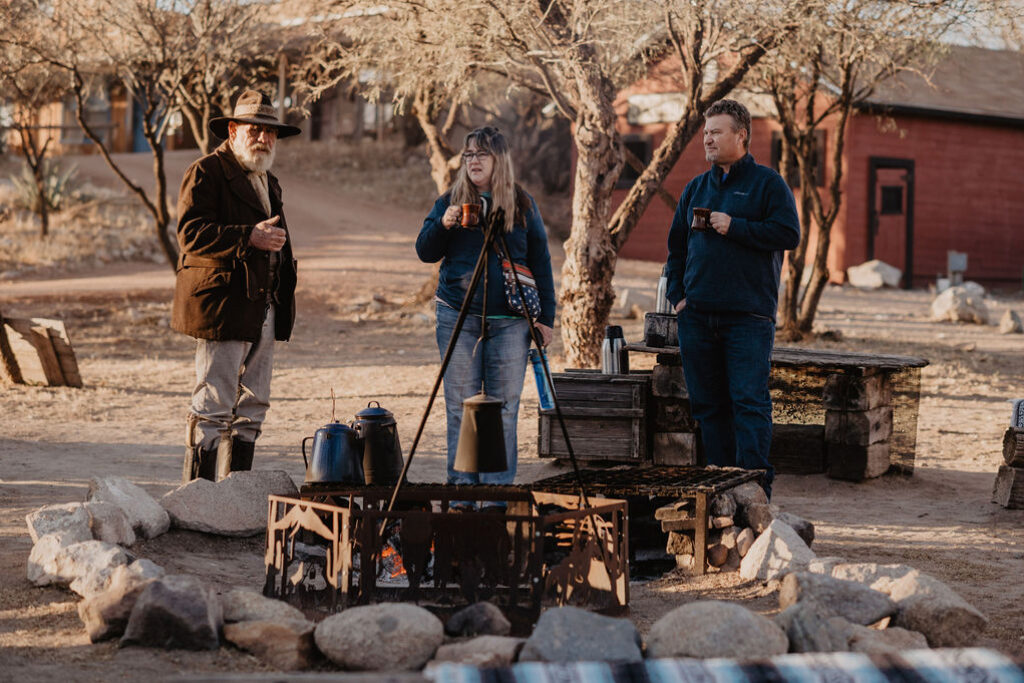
720, 222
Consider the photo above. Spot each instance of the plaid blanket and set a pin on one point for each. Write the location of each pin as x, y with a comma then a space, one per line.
974, 665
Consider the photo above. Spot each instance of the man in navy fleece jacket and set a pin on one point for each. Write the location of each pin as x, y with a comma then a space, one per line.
723, 281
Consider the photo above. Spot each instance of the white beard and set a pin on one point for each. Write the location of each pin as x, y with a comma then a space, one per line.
252, 160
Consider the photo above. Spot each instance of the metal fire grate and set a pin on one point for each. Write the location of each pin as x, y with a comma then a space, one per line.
326, 550
693, 484
651, 481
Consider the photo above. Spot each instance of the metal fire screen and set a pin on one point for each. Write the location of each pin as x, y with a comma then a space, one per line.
327, 550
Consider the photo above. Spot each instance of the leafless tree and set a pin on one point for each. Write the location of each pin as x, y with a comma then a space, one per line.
26, 86
835, 62
431, 55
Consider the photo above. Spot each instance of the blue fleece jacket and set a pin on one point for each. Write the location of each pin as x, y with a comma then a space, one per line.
738, 271
459, 248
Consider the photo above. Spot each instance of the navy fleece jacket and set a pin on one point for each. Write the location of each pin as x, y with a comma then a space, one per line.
738, 271
458, 248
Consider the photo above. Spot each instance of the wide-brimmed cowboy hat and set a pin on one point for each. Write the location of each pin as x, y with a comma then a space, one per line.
252, 107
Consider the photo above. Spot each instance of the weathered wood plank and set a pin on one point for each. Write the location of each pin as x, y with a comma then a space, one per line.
858, 427
671, 415
595, 438
1009, 487
667, 381
1013, 446
856, 463
849, 392
65, 353
7, 357
674, 448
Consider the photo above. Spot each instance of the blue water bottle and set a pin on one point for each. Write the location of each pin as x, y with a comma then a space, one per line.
544, 392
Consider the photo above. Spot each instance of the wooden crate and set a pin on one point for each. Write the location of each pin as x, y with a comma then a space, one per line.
605, 415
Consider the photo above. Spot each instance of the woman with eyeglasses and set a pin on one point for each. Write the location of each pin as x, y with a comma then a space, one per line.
486, 177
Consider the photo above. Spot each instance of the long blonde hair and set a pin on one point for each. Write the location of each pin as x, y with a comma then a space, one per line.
504, 192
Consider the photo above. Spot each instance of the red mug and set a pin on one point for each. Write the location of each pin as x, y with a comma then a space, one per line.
470, 215
701, 219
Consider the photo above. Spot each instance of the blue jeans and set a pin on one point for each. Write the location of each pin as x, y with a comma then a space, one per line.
500, 362
726, 362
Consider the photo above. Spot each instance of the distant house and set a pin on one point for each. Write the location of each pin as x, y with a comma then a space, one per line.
927, 170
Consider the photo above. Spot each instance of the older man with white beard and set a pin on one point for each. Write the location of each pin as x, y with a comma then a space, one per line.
235, 286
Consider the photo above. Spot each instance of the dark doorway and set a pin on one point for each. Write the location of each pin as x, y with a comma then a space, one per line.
891, 214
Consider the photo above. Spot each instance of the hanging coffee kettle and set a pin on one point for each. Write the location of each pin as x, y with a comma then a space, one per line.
382, 453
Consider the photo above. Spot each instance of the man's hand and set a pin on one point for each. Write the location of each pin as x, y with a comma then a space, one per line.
266, 236
720, 222
546, 333
681, 305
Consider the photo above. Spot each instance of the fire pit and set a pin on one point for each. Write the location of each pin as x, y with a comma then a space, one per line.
326, 550
641, 485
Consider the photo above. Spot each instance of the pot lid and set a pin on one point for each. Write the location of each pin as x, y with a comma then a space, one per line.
374, 413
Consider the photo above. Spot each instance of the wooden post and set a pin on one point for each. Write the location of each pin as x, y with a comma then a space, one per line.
1013, 446
1009, 487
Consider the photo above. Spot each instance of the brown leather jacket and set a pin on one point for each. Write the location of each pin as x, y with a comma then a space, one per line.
222, 282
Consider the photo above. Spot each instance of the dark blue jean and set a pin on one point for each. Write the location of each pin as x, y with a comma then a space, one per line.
501, 363
726, 362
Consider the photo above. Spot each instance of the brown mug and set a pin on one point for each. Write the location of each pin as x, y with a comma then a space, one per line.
701, 219
470, 215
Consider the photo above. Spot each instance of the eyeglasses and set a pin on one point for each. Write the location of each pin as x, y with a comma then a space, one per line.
479, 156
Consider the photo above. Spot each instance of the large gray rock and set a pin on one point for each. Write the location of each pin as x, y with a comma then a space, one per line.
1010, 323
958, 304
43, 560
244, 604
175, 612
853, 601
571, 634
711, 628
880, 577
285, 645
874, 274
384, 637
105, 614
757, 516
723, 505
885, 641
484, 651
92, 563
810, 628
109, 523
70, 519
234, 506
931, 607
748, 493
776, 551
86, 566
801, 526
147, 518
479, 619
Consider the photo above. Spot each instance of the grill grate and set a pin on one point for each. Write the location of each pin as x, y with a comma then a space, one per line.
654, 481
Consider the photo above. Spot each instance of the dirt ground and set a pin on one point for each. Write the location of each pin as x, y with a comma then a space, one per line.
356, 335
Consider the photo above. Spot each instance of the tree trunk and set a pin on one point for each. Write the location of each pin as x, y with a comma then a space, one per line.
42, 207
590, 254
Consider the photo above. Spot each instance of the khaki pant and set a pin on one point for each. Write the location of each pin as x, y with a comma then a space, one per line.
232, 391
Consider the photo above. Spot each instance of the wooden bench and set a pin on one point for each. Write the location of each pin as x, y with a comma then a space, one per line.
853, 415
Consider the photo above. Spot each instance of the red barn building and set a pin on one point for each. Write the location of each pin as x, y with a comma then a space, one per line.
928, 169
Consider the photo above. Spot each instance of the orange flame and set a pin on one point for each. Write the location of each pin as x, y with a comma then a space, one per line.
397, 568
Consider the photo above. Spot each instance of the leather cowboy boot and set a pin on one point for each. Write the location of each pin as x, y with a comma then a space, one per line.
241, 454
199, 462
234, 455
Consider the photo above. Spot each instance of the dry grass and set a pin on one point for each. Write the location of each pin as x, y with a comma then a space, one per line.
99, 226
